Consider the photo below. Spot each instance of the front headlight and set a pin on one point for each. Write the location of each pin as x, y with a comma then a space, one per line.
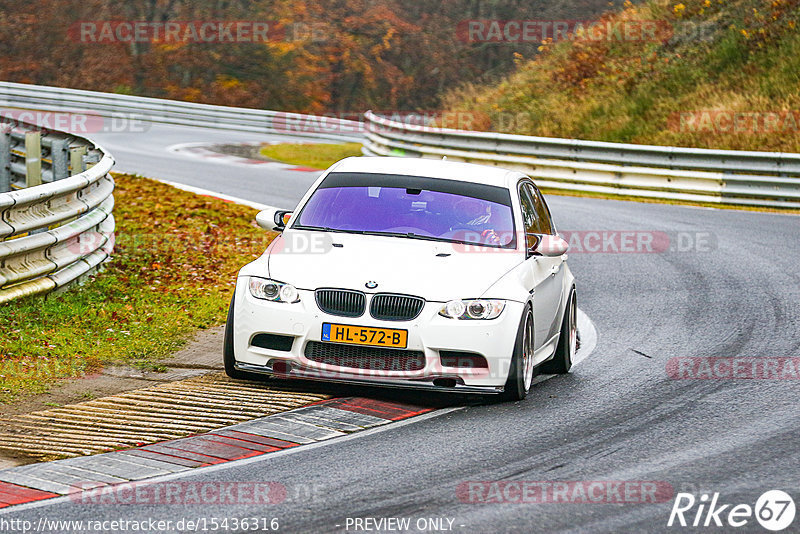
473, 309
263, 288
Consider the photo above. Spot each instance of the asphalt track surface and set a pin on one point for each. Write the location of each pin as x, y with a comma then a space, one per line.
619, 416
157, 153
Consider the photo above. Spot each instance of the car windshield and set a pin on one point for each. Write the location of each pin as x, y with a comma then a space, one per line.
412, 207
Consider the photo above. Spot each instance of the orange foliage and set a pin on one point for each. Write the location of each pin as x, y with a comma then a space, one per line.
341, 56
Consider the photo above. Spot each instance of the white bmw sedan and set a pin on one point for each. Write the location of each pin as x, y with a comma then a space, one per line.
409, 273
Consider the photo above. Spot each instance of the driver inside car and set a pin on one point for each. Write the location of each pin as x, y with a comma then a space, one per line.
476, 216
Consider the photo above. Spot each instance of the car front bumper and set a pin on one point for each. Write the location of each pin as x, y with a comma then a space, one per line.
429, 333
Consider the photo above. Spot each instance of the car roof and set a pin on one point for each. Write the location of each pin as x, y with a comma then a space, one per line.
430, 168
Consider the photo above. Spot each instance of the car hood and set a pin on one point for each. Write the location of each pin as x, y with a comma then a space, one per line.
433, 270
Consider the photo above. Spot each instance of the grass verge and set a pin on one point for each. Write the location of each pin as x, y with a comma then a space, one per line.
173, 272
714, 74
314, 155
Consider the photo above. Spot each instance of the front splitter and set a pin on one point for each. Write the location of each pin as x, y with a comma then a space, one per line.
422, 384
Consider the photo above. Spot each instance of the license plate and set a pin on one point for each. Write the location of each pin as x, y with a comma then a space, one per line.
364, 335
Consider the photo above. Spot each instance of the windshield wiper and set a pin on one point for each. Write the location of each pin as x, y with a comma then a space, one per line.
326, 229
412, 235
409, 235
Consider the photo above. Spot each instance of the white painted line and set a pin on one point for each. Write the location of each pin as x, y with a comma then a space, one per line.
248, 461
181, 147
588, 335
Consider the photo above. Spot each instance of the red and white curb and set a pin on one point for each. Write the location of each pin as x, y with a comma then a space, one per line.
202, 151
303, 426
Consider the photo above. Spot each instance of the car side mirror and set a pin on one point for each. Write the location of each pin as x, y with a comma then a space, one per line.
549, 245
273, 219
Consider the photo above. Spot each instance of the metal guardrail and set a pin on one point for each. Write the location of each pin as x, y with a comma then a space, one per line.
126, 107
767, 179
56, 221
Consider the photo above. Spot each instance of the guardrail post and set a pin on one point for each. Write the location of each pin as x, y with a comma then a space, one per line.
76, 163
59, 149
92, 159
5, 159
33, 159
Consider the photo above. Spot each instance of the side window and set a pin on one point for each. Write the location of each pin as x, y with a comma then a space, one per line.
542, 212
528, 215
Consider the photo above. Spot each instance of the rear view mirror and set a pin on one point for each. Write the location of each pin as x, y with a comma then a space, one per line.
273, 219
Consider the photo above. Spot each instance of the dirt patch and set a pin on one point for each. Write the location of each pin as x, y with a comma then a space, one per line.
243, 150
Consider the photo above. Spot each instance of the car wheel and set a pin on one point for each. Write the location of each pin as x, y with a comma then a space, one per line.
520, 376
227, 352
567, 341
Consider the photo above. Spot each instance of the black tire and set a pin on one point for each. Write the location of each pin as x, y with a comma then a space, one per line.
515, 389
228, 357
567, 341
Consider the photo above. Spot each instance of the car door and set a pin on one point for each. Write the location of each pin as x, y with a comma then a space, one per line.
556, 264
544, 274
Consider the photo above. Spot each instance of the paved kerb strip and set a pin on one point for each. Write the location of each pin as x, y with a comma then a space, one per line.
11, 494
322, 421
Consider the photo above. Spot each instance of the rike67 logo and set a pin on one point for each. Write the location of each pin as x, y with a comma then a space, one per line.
774, 510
